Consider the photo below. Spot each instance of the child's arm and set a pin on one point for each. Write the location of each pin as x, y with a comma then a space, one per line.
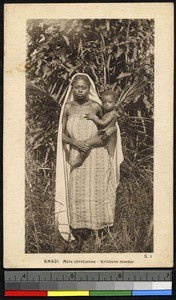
103, 123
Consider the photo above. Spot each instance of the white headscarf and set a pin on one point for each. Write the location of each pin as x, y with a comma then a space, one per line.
63, 168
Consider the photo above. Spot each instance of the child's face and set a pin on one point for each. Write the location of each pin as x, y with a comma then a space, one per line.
108, 102
80, 89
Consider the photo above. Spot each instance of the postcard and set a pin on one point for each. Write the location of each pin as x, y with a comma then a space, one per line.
88, 135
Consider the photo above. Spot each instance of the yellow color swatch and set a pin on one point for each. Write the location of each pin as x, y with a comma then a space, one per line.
67, 293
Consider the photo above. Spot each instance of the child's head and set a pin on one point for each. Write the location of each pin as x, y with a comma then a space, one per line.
81, 86
109, 99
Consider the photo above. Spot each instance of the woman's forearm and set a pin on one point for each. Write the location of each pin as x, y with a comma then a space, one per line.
80, 146
67, 140
101, 140
95, 141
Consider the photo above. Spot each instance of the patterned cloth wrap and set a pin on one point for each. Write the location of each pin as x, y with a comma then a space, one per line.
92, 187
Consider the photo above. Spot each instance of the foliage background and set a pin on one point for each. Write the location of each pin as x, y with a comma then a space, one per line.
118, 55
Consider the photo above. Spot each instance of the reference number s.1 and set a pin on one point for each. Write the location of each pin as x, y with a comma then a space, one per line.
147, 255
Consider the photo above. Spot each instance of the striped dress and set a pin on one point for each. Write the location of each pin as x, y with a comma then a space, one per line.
92, 187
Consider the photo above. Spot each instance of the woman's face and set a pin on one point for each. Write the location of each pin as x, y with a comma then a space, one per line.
80, 89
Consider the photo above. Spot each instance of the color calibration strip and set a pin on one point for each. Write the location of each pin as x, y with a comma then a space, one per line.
87, 293
117, 289
88, 283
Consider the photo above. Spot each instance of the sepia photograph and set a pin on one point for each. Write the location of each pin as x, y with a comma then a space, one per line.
88, 135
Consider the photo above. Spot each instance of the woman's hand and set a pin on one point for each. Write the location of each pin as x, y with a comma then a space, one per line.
81, 146
107, 135
105, 138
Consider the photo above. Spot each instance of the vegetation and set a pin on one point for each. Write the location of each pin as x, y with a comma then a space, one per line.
118, 55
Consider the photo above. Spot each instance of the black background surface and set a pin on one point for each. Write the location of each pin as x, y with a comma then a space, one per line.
2, 2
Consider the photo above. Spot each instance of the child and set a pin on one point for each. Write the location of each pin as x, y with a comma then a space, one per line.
108, 120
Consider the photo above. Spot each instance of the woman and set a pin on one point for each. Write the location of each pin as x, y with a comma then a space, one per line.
85, 196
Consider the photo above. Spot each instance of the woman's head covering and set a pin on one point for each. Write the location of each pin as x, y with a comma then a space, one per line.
92, 92
63, 168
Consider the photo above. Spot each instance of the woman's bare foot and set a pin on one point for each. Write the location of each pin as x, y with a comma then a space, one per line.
97, 240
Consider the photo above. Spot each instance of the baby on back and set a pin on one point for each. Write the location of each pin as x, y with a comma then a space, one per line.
108, 120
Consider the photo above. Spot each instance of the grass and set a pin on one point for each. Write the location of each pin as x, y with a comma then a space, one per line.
133, 224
